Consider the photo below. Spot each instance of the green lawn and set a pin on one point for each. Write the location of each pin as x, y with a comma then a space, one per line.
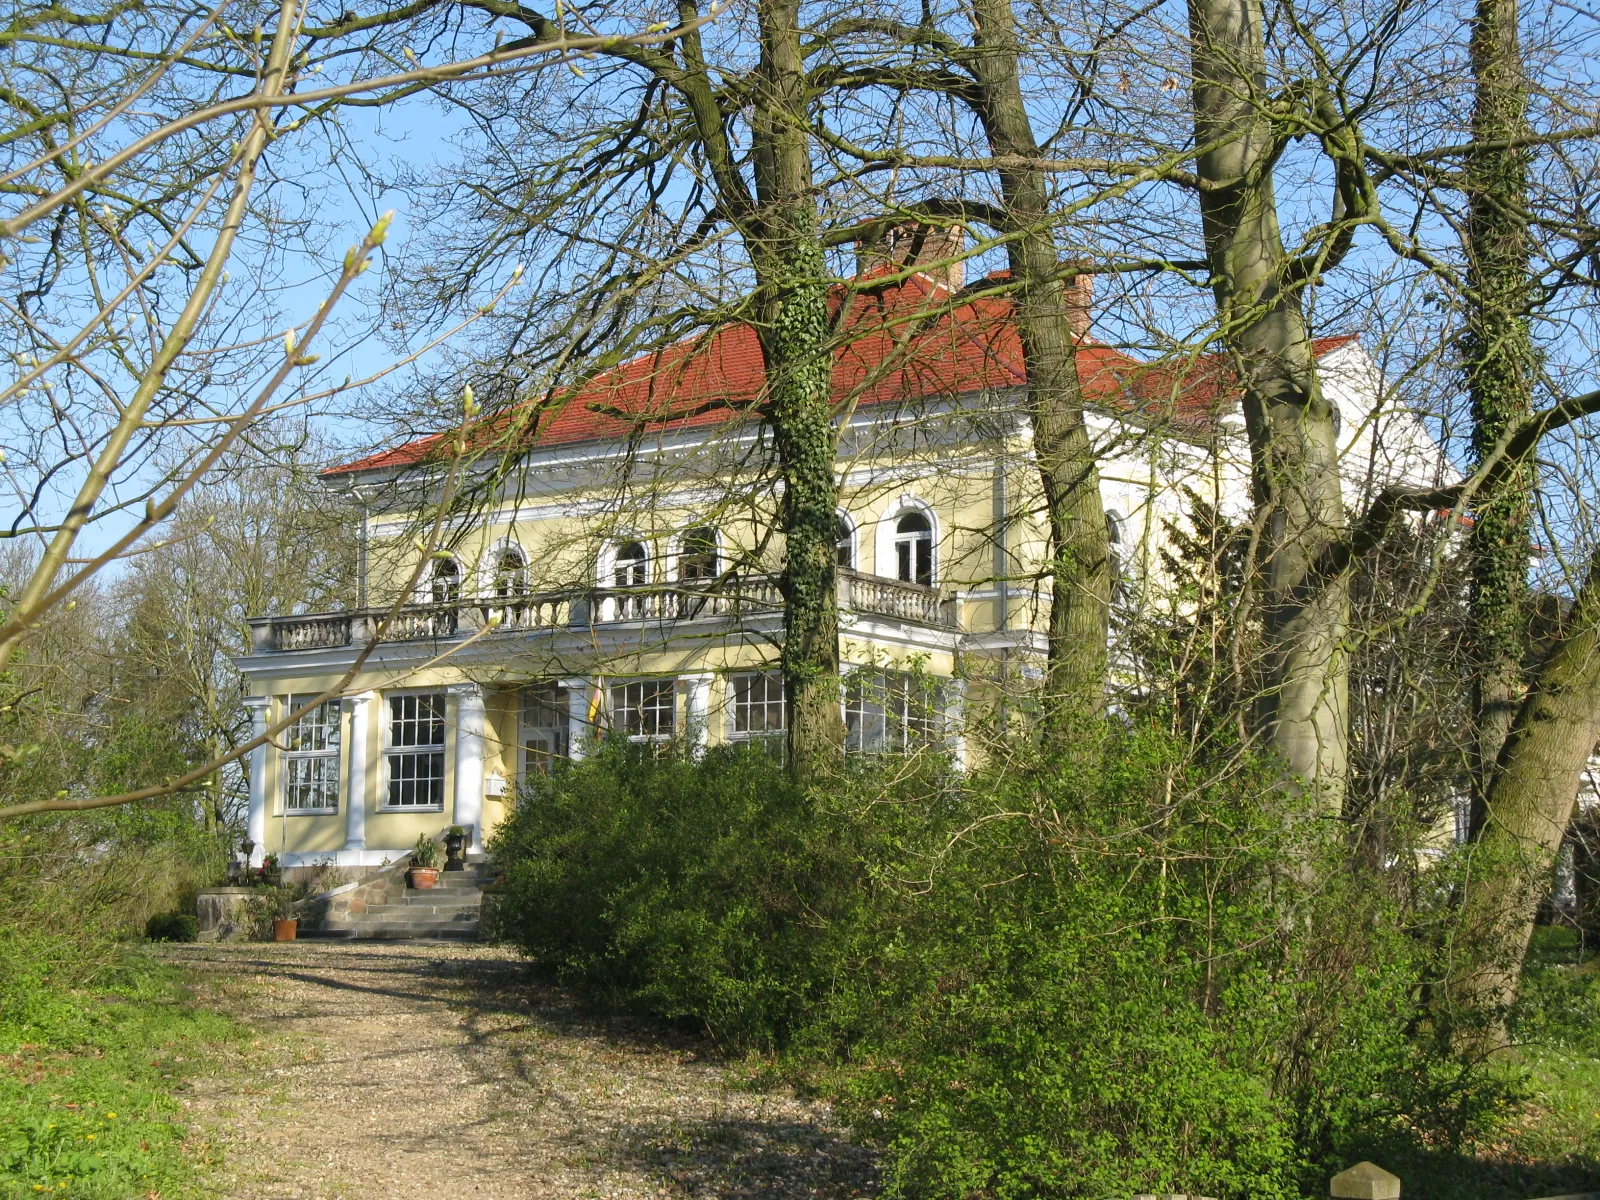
1550, 1144
91, 1086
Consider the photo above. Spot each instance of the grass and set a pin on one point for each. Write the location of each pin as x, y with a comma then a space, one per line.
1549, 1143
91, 1083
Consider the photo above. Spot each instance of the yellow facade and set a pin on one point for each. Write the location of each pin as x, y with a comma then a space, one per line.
593, 569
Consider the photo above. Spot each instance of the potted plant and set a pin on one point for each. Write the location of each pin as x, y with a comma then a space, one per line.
454, 839
424, 872
284, 923
271, 872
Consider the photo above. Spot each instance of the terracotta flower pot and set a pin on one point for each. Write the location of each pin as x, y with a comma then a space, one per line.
284, 931
423, 878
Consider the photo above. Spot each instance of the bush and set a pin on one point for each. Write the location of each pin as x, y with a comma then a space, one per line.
172, 927
1042, 979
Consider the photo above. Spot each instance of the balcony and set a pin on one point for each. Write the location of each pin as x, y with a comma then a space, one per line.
732, 597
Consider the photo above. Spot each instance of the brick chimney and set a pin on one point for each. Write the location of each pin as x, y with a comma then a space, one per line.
1078, 298
914, 243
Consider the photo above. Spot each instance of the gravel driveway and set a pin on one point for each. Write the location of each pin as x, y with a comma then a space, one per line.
420, 1069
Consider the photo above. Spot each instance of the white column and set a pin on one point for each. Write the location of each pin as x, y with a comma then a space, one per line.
699, 709
256, 822
579, 731
355, 782
470, 721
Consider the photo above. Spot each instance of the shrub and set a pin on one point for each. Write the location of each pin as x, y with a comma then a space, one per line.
690, 890
1137, 973
172, 927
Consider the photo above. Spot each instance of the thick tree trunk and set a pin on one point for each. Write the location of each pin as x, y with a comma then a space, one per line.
792, 277
1080, 564
1529, 808
1303, 712
1500, 374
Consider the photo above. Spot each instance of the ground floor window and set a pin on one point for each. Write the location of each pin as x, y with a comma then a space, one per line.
545, 729
415, 750
311, 758
891, 712
645, 708
756, 705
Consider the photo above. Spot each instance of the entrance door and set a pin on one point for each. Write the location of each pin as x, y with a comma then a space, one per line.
545, 736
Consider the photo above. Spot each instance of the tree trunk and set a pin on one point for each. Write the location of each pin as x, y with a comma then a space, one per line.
1080, 569
1529, 807
793, 318
1500, 374
1303, 711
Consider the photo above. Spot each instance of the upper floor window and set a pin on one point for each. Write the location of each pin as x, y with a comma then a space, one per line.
845, 539
697, 560
445, 581
913, 548
510, 573
311, 758
630, 568
414, 744
645, 708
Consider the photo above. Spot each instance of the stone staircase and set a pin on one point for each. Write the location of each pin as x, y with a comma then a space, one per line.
448, 910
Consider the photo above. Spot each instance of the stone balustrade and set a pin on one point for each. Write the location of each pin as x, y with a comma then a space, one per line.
731, 597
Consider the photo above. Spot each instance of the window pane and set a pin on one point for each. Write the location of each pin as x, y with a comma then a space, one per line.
318, 730
416, 720
544, 727
416, 780
757, 704
645, 708
312, 782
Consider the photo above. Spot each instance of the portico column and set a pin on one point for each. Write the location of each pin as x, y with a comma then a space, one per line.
699, 709
470, 720
255, 827
355, 784
579, 694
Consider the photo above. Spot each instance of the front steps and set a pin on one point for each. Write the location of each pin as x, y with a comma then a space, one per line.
448, 910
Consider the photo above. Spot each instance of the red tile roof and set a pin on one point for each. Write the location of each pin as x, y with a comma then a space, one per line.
904, 342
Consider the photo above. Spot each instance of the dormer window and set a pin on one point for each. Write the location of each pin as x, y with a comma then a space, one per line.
446, 582
913, 549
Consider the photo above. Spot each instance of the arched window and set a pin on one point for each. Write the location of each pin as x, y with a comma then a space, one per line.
845, 539
510, 574
1338, 418
631, 569
913, 549
1116, 537
697, 558
446, 581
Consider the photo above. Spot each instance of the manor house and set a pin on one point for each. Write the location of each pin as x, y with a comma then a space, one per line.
610, 561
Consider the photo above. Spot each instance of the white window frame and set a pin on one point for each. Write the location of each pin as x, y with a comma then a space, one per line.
887, 535
850, 542
543, 700
325, 755
630, 608
769, 701
392, 751
647, 689
427, 587
903, 732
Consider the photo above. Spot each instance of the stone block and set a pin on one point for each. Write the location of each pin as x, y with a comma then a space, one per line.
219, 913
1364, 1181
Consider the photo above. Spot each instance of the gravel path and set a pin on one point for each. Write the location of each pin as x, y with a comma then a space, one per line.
420, 1069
